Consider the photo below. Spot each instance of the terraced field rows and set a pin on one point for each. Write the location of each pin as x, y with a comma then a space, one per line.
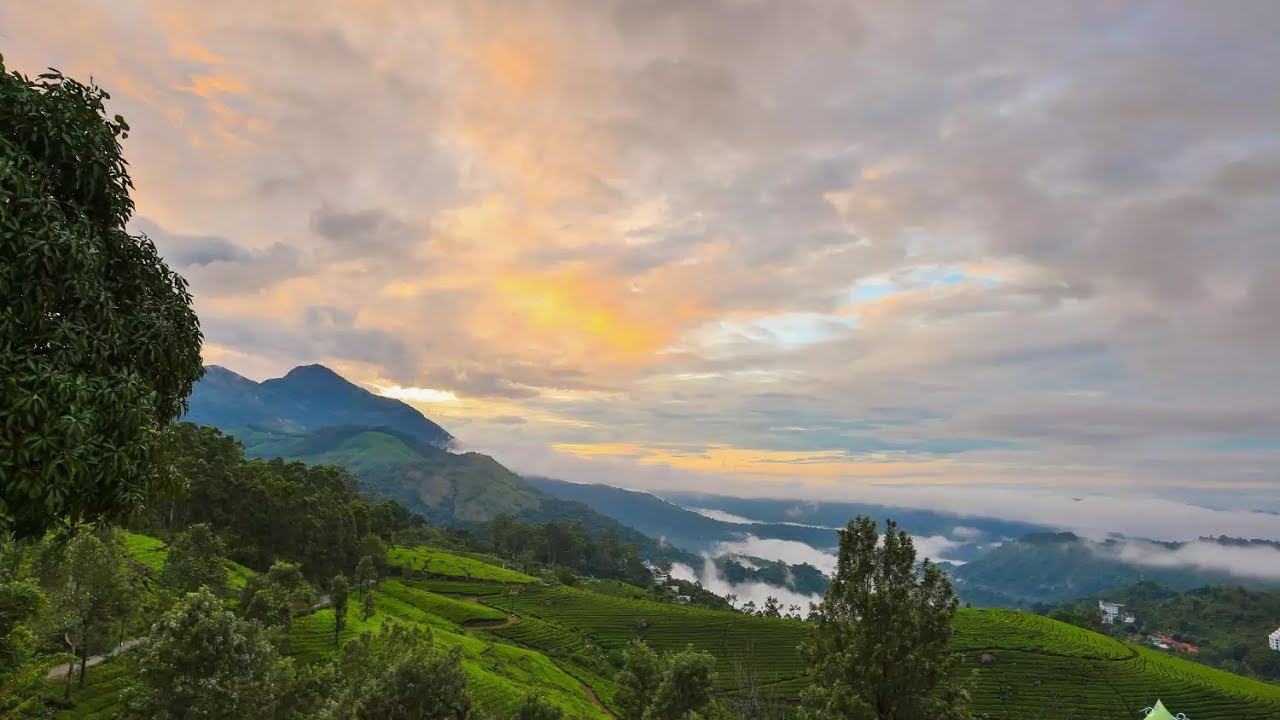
440, 563
769, 645
1040, 668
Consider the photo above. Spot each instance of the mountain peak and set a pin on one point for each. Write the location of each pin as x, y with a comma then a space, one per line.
307, 397
314, 371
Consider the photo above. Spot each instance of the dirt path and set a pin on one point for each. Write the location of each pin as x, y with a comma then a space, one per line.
591, 695
60, 672
471, 627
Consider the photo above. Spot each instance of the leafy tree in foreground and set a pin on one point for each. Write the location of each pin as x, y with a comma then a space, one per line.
399, 674
535, 707
638, 680
195, 561
340, 599
201, 662
675, 686
87, 581
685, 690
879, 649
99, 345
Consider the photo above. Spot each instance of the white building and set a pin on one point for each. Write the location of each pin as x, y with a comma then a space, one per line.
1111, 612
1273, 640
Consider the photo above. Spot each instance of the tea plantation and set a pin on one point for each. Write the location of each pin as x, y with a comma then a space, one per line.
565, 639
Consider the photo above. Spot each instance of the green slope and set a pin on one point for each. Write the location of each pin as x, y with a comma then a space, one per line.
1035, 667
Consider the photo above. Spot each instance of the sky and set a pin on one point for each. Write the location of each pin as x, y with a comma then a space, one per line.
799, 248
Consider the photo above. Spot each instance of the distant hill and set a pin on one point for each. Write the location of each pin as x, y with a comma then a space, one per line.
685, 528
446, 488
1228, 625
307, 398
1048, 567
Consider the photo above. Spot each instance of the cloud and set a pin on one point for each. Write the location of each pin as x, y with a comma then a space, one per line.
723, 516
821, 247
789, 551
712, 579
1257, 561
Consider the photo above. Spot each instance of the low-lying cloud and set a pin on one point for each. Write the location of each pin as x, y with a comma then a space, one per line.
791, 552
711, 579
1255, 561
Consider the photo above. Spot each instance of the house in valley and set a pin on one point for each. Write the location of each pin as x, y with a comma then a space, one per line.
1111, 612
1273, 640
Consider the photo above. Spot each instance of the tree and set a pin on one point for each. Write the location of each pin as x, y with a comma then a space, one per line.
272, 598
339, 597
87, 581
535, 707
195, 560
638, 680
99, 345
373, 547
772, 608
367, 607
685, 687
879, 649
399, 674
366, 574
201, 662
22, 666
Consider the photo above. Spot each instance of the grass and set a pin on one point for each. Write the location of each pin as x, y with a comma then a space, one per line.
500, 673
433, 562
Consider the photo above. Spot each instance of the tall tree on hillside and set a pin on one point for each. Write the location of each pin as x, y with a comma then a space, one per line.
87, 581
339, 598
201, 661
366, 574
879, 648
99, 345
372, 546
194, 561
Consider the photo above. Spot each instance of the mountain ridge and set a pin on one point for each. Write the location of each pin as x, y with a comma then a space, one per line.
306, 398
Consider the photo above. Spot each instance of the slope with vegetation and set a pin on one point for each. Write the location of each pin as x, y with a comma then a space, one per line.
1227, 624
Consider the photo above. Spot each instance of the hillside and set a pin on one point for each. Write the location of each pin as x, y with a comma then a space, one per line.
1048, 567
1228, 625
308, 397
446, 488
1035, 667
564, 643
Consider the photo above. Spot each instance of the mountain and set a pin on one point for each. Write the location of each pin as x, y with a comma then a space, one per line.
1048, 567
307, 398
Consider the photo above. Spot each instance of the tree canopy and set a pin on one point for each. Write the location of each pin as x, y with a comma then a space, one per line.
879, 649
99, 345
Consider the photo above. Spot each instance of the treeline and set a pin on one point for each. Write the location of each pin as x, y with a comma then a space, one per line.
268, 510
